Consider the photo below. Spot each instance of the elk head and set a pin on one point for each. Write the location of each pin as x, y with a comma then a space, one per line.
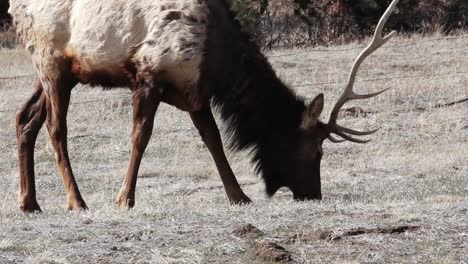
301, 156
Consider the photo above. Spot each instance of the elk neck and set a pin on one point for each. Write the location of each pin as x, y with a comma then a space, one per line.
256, 104
252, 100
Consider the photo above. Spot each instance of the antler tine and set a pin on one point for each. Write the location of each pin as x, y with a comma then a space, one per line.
334, 140
355, 132
348, 93
349, 138
365, 96
342, 130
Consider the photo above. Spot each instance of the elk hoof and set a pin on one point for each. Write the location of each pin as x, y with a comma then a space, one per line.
29, 205
240, 200
76, 204
125, 202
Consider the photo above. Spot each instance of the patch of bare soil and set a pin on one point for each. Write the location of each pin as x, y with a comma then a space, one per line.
273, 252
266, 250
248, 231
354, 111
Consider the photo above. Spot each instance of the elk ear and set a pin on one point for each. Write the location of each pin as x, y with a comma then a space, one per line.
312, 112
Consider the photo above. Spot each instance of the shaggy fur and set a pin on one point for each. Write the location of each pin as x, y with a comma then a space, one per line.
103, 37
251, 97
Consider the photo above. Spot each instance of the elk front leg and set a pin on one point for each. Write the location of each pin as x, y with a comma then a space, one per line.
146, 100
58, 100
209, 132
29, 120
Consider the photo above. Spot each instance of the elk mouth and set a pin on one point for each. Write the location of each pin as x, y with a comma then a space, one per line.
307, 197
304, 191
271, 189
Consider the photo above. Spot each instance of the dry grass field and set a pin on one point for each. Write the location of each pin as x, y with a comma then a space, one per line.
402, 198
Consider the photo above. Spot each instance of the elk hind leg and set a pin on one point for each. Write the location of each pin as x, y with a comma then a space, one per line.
29, 120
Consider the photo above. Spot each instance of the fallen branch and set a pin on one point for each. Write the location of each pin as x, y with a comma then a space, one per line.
334, 236
16, 77
378, 230
451, 103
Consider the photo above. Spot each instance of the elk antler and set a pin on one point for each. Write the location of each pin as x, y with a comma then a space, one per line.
348, 93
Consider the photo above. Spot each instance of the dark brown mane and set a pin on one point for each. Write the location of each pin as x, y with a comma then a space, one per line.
251, 98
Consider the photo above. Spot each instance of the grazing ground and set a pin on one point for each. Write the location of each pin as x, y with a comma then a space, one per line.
401, 198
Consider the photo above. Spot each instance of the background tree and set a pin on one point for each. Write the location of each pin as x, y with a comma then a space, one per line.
5, 18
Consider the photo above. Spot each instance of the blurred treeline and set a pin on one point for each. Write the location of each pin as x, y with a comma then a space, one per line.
295, 23
292, 23
5, 18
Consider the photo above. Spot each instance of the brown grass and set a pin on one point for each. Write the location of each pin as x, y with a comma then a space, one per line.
413, 173
7, 37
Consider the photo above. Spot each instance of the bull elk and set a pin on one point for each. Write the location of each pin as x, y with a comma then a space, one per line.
186, 53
